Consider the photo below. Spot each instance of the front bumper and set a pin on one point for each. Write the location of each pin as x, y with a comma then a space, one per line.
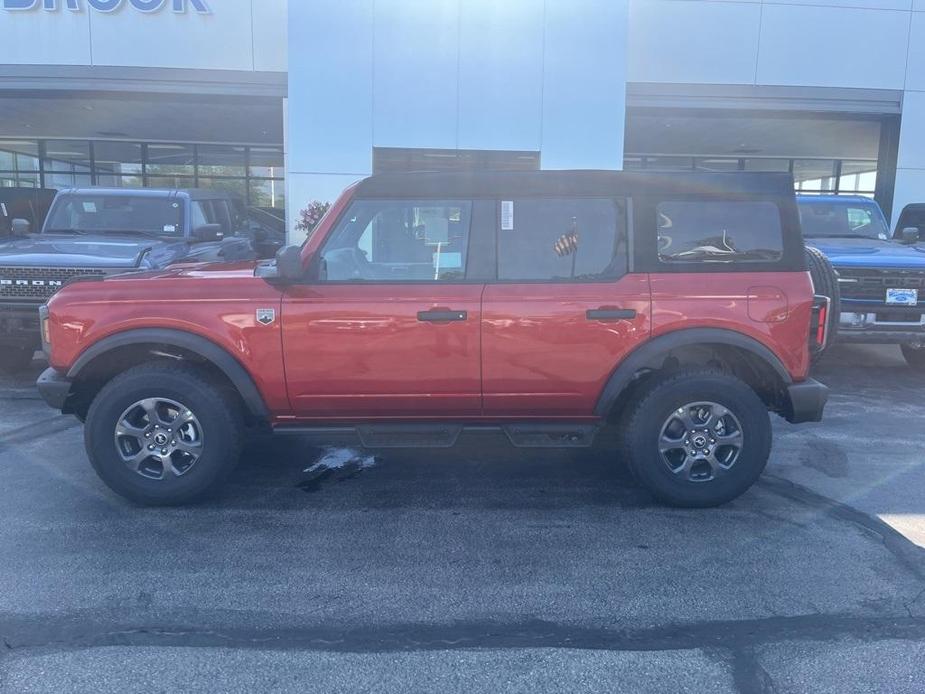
807, 401
19, 325
54, 387
879, 323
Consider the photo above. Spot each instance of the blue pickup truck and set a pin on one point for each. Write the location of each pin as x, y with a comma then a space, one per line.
881, 278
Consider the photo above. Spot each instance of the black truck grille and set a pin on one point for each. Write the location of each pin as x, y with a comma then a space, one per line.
39, 283
871, 285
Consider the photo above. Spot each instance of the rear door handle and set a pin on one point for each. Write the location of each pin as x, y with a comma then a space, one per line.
607, 314
442, 315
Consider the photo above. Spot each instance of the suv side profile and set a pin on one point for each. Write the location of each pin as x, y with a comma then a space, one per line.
545, 305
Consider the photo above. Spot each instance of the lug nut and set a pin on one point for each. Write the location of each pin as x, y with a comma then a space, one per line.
163, 451
148, 435
150, 448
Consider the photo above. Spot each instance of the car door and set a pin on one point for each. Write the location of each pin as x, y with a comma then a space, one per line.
564, 309
392, 327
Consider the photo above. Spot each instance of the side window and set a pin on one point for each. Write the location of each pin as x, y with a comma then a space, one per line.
199, 215
561, 239
379, 240
705, 231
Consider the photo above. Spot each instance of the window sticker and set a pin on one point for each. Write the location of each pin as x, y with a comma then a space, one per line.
170, 228
89, 206
507, 215
447, 261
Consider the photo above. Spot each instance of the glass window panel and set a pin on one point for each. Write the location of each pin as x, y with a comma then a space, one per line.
716, 164
69, 156
67, 180
19, 155
719, 232
268, 194
858, 176
170, 182
221, 160
19, 180
814, 174
176, 160
93, 212
266, 162
238, 186
108, 181
117, 158
561, 239
773, 165
382, 241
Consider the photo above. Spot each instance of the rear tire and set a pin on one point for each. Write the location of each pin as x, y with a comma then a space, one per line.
667, 423
915, 356
13, 359
154, 409
825, 283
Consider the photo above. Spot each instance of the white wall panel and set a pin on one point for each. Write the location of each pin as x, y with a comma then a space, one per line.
912, 135
910, 188
416, 73
833, 47
915, 71
34, 37
584, 86
693, 41
500, 74
270, 26
854, 4
330, 87
221, 39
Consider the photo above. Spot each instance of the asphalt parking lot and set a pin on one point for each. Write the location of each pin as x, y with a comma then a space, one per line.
480, 569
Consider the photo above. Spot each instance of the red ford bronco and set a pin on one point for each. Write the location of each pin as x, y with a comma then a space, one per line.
546, 305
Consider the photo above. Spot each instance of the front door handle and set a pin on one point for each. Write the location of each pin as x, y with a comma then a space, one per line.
608, 314
442, 315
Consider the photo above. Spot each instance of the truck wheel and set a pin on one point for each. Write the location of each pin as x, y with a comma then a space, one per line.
825, 283
13, 359
697, 438
163, 435
915, 355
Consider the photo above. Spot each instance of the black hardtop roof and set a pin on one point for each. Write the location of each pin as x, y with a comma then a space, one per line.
581, 183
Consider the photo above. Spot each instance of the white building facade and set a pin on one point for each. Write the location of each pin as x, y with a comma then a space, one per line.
215, 92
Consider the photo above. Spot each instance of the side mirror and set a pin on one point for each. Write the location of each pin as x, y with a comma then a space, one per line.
289, 264
208, 232
20, 227
910, 235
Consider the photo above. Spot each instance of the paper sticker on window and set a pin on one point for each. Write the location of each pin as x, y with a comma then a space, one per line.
507, 215
170, 228
89, 206
447, 261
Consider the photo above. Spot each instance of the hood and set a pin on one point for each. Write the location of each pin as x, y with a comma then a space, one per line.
863, 252
109, 251
197, 271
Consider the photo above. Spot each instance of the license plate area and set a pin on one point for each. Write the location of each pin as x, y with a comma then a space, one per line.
902, 297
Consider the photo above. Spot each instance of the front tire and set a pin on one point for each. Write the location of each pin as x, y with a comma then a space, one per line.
697, 438
163, 435
914, 355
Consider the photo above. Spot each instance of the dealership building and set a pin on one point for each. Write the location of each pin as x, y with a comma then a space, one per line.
286, 103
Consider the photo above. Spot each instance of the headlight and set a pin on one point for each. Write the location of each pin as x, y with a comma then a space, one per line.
43, 324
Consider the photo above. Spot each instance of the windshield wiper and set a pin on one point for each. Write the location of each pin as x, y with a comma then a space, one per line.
841, 236
138, 232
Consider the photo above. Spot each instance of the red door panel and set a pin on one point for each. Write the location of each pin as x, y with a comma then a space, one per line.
355, 351
544, 357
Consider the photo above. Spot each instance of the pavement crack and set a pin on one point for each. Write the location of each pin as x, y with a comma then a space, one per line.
24, 633
748, 674
906, 552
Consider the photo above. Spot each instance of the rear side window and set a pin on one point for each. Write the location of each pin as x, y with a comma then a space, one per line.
705, 231
561, 239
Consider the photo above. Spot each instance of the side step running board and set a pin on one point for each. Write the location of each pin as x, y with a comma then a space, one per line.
445, 435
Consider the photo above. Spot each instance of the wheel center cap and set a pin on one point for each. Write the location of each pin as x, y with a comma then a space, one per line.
160, 439
700, 441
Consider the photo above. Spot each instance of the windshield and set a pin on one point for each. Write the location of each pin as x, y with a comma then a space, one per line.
96, 214
835, 220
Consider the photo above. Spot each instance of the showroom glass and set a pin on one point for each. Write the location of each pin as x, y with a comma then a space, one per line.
395, 241
561, 239
101, 214
699, 231
840, 221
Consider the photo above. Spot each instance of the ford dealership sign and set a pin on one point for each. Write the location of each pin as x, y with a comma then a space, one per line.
179, 6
